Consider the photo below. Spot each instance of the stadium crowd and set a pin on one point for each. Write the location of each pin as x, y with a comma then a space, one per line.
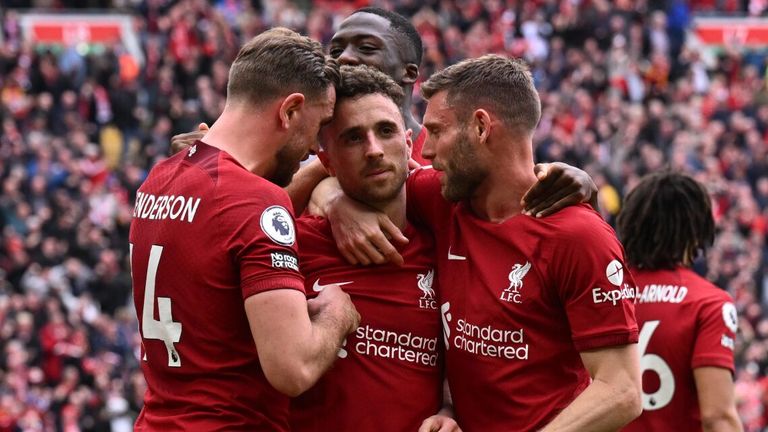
622, 92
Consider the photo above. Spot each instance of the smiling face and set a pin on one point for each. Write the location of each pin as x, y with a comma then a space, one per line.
450, 147
365, 38
367, 148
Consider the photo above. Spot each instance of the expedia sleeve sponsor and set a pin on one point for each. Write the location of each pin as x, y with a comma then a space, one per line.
284, 260
613, 296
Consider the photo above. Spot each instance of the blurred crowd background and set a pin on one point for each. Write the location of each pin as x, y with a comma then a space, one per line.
624, 93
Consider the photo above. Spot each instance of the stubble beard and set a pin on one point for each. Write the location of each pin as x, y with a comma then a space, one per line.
287, 162
463, 173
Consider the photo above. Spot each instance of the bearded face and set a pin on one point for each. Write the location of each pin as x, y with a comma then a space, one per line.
463, 172
288, 159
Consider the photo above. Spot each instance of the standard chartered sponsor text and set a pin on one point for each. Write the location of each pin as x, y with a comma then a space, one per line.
400, 346
490, 342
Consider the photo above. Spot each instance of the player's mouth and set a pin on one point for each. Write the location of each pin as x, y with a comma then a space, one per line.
377, 171
377, 174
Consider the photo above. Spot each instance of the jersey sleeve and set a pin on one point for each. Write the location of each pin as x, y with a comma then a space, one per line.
257, 226
593, 283
426, 206
717, 325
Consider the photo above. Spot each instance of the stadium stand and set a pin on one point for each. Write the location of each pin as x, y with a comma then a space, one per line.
625, 92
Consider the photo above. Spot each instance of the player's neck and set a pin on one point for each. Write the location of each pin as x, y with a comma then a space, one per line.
395, 209
406, 108
240, 134
498, 197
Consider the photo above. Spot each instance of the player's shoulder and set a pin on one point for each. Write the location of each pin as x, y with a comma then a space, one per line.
702, 289
424, 174
576, 223
312, 226
235, 182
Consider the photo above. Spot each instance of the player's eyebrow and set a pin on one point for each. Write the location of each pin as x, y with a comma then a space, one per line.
383, 123
341, 38
346, 133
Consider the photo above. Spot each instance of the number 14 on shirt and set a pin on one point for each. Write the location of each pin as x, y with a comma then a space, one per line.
164, 329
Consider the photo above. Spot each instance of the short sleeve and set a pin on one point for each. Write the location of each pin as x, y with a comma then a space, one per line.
594, 286
426, 205
257, 225
717, 325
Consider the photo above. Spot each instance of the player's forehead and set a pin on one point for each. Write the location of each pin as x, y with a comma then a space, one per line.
325, 104
366, 111
439, 112
362, 25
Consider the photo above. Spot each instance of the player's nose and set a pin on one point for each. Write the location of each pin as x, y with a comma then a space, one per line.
374, 148
348, 57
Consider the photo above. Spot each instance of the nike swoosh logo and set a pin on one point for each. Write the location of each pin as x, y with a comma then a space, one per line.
453, 257
316, 287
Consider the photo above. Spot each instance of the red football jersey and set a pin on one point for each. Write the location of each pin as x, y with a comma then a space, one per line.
519, 300
686, 323
388, 376
207, 234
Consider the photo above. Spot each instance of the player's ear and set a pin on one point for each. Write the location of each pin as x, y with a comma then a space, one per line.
411, 73
409, 142
290, 110
481, 124
322, 154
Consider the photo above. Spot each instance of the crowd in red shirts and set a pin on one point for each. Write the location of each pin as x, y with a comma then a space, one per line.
624, 93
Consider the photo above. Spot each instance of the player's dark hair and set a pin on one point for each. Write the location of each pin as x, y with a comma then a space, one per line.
279, 62
501, 84
666, 221
411, 48
361, 80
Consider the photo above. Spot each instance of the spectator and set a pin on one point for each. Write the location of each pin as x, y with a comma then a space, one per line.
622, 94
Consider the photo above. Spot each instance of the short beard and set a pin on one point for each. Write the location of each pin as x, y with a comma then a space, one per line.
463, 171
287, 160
379, 195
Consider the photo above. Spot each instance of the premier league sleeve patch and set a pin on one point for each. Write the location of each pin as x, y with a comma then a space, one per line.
277, 224
730, 317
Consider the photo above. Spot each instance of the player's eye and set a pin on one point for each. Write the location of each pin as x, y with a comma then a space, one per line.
336, 52
354, 139
387, 130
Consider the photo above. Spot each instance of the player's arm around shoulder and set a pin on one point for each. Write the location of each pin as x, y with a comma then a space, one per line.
717, 402
612, 399
297, 339
714, 364
597, 294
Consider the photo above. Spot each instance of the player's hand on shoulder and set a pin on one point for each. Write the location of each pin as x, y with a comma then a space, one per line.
181, 141
364, 235
337, 304
439, 423
559, 185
